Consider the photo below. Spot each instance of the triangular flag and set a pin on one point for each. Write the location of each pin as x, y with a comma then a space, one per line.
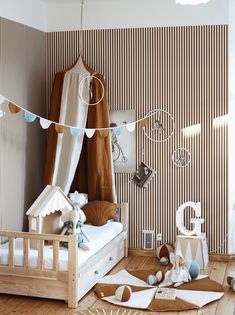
59, 128
75, 131
89, 132
13, 108
143, 122
130, 127
2, 99
117, 131
29, 117
103, 133
45, 123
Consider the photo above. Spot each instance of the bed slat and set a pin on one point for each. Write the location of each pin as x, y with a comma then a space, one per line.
11, 259
41, 254
55, 255
26, 253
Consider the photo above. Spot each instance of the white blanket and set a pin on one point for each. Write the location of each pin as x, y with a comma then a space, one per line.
99, 237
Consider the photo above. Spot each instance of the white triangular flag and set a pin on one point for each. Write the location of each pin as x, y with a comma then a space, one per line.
130, 127
90, 132
45, 124
2, 99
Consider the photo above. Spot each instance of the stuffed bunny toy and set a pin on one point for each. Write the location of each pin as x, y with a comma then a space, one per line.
78, 199
178, 274
73, 224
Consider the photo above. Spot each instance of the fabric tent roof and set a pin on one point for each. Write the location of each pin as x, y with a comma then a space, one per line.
52, 199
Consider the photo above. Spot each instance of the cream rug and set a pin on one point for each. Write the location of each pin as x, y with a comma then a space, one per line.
102, 311
189, 296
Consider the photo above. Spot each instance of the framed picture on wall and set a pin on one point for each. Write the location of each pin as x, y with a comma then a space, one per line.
123, 141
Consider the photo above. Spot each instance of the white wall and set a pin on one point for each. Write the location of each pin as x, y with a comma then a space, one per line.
231, 146
29, 12
106, 14
62, 15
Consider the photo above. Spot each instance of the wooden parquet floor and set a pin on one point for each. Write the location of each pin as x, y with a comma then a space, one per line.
218, 271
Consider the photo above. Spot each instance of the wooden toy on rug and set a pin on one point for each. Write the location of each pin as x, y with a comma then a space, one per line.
123, 293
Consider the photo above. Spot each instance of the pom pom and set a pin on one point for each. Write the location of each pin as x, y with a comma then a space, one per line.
229, 280
194, 269
164, 251
123, 293
152, 280
233, 284
164, 261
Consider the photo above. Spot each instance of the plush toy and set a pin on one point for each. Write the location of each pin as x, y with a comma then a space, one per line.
164, 250
154, 279
78, 199
164, 261
231, 281
194, 269
73, 224
179, 273
123, 293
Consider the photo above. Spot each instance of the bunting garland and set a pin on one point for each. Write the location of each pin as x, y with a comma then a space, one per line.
75, 131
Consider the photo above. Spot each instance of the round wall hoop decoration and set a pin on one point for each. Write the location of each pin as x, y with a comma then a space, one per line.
81, 84
181, 157
164, 120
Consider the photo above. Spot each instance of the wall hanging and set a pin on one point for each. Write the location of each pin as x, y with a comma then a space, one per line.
123, 141
181, 157
160, 127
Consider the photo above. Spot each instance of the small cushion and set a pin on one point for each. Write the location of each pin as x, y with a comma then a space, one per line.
99, 212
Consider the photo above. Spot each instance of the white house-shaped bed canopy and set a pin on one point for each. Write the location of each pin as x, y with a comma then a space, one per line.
44, 216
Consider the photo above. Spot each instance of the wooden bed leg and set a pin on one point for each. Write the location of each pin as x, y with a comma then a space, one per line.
72, 271
72, 303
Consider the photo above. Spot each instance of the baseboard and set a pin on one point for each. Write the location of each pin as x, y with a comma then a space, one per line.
152, 253
141, 252
221, 257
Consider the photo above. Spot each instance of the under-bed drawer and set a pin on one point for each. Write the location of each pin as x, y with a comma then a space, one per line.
90, 275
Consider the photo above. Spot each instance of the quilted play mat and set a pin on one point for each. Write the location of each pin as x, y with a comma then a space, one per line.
189, 296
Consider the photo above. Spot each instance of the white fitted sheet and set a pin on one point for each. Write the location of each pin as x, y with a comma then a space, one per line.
99, 237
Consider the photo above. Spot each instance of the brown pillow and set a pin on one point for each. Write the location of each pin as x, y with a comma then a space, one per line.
99, 212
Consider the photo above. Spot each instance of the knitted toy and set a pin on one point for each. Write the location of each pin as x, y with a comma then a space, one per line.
73, 224
231, 281
154, 279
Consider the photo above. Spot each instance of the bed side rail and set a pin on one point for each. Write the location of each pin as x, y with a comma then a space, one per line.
41, 239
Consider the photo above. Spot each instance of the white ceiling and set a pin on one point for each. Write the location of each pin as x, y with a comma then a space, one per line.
60, 1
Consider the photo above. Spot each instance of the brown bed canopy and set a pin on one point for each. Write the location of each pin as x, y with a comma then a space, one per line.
80, 163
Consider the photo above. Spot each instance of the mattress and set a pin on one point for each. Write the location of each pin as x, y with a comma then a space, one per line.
99, 237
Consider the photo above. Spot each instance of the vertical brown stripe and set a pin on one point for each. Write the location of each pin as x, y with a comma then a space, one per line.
184, 71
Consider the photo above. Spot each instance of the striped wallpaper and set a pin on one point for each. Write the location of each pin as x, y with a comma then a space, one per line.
184, 71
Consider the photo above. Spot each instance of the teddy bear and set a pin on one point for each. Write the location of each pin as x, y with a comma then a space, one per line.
73, 224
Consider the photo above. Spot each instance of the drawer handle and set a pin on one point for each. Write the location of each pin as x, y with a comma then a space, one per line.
111, 259
96, 272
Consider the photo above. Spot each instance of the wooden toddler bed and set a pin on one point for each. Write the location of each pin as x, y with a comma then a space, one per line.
69, 284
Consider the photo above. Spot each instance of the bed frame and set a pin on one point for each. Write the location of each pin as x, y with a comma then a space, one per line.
69, 285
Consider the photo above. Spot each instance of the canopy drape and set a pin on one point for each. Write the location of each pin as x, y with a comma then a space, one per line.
81, 162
